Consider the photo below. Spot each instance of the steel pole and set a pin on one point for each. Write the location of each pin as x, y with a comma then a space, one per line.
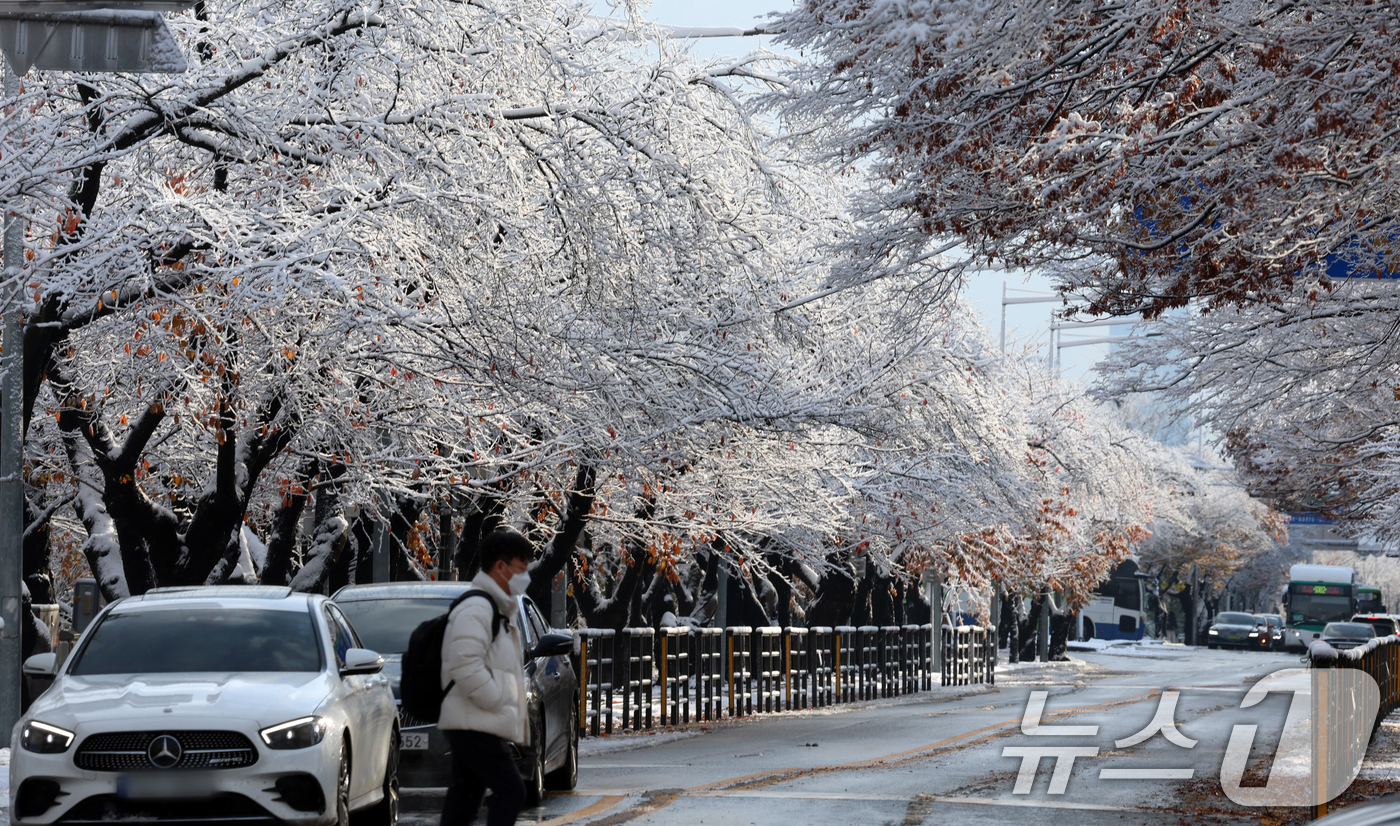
1003, 316
11, 451
1042, 638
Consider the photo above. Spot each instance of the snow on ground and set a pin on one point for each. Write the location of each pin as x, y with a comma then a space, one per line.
1155, 649
1383, 756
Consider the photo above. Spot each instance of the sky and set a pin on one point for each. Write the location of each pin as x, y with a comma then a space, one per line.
1026, 324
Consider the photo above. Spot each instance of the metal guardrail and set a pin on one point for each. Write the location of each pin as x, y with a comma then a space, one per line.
1339, 719
638, 678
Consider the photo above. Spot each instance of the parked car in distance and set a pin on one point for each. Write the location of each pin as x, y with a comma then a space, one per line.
1344, 635
1236, 629
232, 703
387, 614
1274, 623
1385, 624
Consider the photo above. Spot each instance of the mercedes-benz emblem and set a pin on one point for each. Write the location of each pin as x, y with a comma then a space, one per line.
164, 752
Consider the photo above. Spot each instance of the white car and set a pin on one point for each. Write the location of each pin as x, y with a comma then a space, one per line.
245, 703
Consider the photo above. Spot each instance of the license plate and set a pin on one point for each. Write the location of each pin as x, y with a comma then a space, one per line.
183, 786
414, 741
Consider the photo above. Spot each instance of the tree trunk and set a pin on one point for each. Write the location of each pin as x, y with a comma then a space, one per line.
282, 541
862, 613
37, 576
616, 609
555, 555
782, 613
1030, 634
361, 545
484, 517
881, 603
835, 600
330, 539
1012, 609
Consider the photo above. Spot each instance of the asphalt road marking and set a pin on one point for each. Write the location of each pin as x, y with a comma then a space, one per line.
608, 801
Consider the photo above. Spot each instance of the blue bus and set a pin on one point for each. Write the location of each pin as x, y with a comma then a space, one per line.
1117, 609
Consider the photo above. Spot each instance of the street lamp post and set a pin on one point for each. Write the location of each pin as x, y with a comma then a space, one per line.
11, 466
51, 35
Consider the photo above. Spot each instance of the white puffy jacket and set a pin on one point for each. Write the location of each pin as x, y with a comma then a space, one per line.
488, 678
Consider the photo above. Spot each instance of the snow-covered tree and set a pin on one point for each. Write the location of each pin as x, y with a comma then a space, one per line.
1149, 154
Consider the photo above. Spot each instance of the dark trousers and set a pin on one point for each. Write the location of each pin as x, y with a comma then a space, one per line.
480, 762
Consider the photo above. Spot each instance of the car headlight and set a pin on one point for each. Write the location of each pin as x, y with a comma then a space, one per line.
300, 733
1254, 633
1213, 631
44, 738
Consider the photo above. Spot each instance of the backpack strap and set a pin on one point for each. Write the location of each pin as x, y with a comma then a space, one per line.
497, 618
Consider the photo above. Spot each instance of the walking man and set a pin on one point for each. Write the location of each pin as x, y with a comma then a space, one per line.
483, 673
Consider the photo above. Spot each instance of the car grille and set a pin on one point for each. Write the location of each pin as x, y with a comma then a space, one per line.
126, 750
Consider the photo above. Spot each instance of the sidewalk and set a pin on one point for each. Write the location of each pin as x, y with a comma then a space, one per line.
628, 740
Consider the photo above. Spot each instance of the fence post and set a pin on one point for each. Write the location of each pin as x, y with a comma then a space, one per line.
729, 669
625, 660
787, 666
836, 674
991, 643
935, 604
944, 637
661, 639
583, 683
819, 664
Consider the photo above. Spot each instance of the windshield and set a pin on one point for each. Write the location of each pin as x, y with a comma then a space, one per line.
1348, 629
1316, 608
1236, 619
200, 638
384, 625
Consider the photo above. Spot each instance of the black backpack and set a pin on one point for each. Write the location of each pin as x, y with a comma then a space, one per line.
420, 684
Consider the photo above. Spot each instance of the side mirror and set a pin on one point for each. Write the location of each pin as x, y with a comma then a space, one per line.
41, 665
552, 645
361, 661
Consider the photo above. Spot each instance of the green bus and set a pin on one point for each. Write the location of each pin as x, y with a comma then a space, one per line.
1368, 600
1315, 596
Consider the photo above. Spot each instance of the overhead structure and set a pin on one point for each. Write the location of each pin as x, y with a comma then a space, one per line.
106, 40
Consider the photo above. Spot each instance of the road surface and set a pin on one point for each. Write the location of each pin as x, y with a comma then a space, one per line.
941, 757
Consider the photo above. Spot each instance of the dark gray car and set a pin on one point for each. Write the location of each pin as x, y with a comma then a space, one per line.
1385, 624
385, 615
1344, 635
1236, 629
